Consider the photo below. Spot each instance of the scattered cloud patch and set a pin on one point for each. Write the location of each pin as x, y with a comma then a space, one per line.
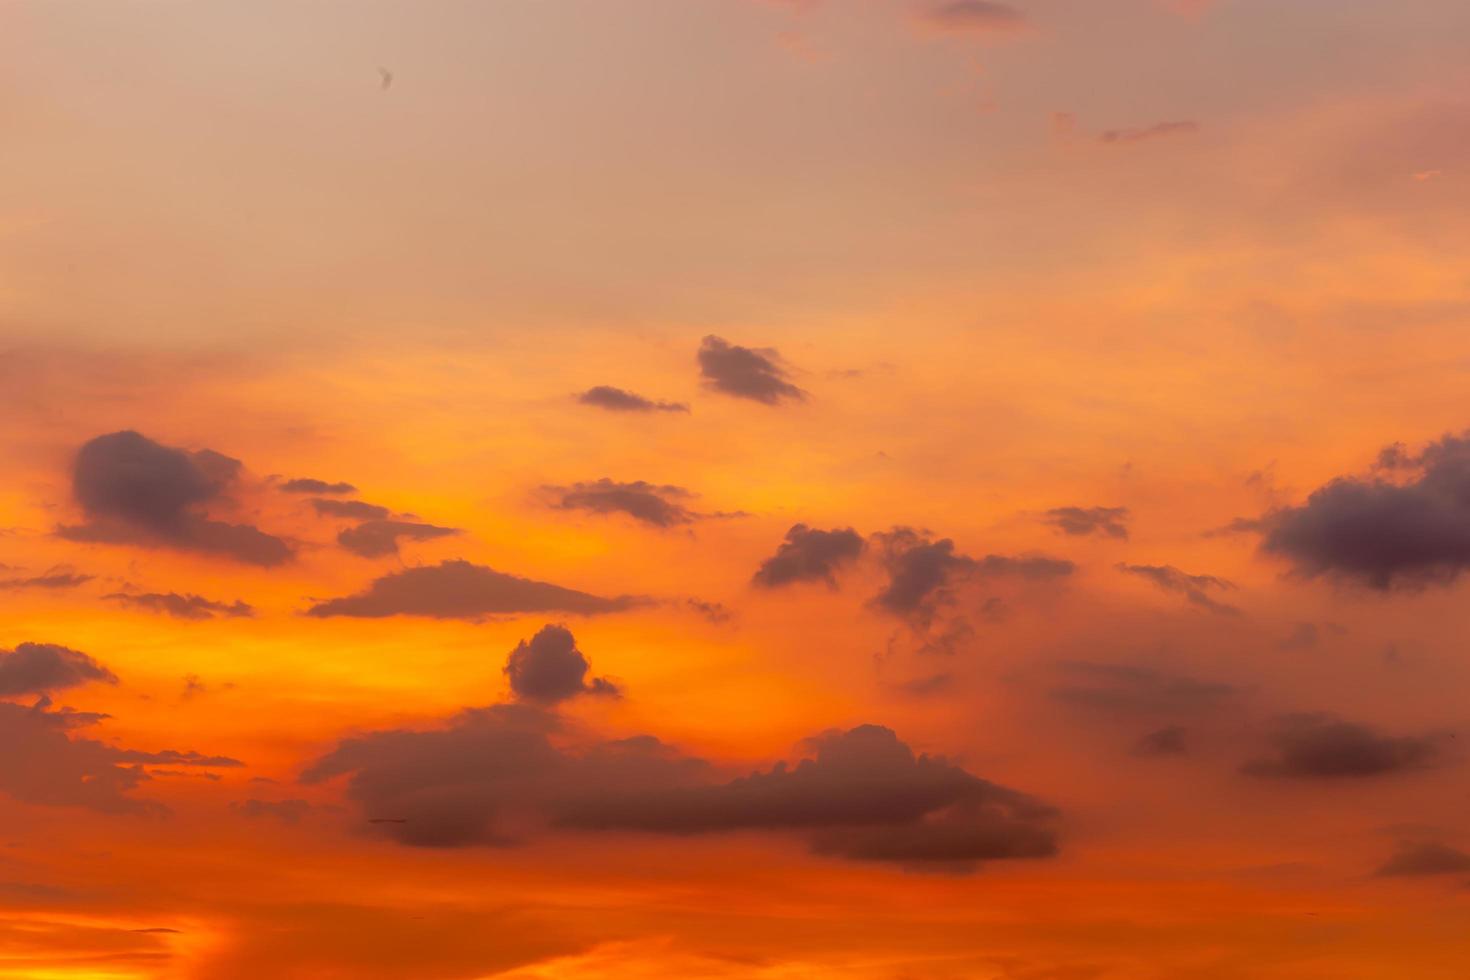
618, 400
1110, 522
756, 374
1194, 588
357, 510
378, 539
310, 485
38, 668
185, 606
548, 668
647, 503
809, 555
1319, 746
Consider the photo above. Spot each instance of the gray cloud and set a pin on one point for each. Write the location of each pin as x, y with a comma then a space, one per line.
1109, 521
378, 539
1427, 858
645, 502
1408, 532
36, 668
1192, 587
458, 589
809, 555
309, 485
51, 580
188, 606
492, 776
549, 668
618, 400
134, 490
745, 372
357, 510
922, 571
1319, 746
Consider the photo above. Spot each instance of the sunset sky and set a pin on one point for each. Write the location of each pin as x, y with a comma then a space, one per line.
779, 489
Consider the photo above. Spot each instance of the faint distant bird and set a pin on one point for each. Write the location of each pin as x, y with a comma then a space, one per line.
387, 77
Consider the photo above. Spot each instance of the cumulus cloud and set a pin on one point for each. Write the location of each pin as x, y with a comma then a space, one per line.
377, 539
1192, 587
1319, 746
1130, 689
457, 589
972, 17
1406, 524
494, 776
357, 510
36, 668
1111, 522
549, 668
647, 503
134, 490
618, 400
922, 571
307, 484
187, 606
1182, 127
1425, 858
43, 763
809, 555
757, 374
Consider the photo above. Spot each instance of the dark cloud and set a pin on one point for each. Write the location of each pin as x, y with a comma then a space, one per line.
458, 589
43, 763
1192, 587
921, 571
188, 606
1425, 859
357, 510
1109, 521
493, 776
36, 668
809, 555
51, 580
137, 491
309, 485
1169, 740
973, 17
1318, 746
1156, 131
1409, 531
618, 400
746, 373
714, 612
549, 668
286, 811
645, 502
377, 539
1130, 689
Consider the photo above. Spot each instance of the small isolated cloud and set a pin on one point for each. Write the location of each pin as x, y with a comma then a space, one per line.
618, 400
1427, 858
972, 17
756, 374
136, 491
1183, 127
286, 811
922, 571
809, 555
356, 510
647, 503
1110, 522
1319, 746
1404, 525
492, 776
1169, 740
187, 606
548, 668
457, 589
378, 539
308, 485
38, 668
1195, 588
51, 580
1134, 690
44, 763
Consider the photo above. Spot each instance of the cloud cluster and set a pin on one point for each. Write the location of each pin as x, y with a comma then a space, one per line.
138, 491
809, 555
648, 503
1110, 522
495, 776
618, 400
37, 668
922, 571
744, 372
457, 589
378, 539
548, 668
1407, 524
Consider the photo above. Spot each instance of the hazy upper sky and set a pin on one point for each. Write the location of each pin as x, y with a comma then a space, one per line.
734, 488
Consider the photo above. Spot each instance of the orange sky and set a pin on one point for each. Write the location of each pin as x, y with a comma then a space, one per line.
988, 564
